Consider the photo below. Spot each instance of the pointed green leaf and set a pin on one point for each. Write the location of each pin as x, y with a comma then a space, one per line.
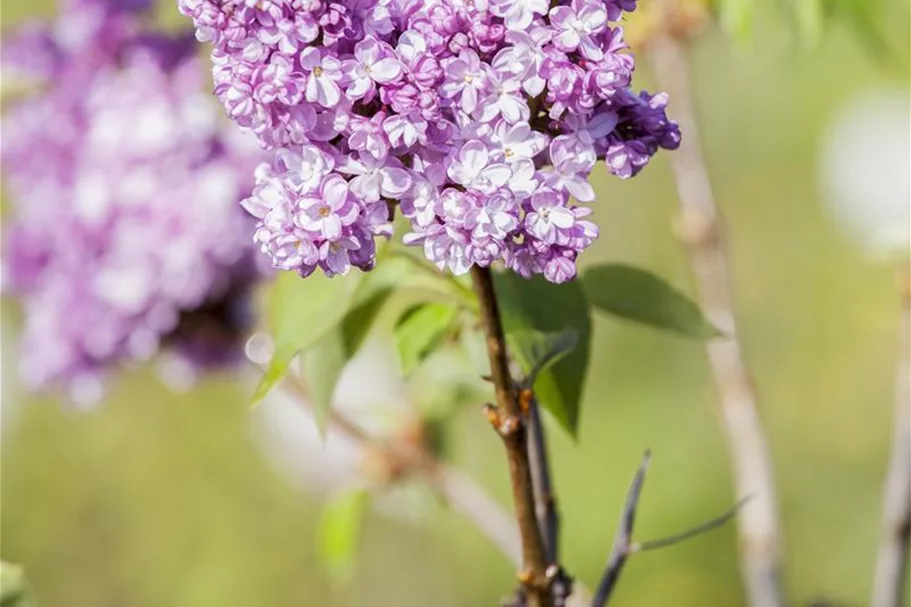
301, 310
862, 17
15, 590
371, 295
737, 17
808, 15
420, 330
539, 306
278, 366
338, 531
638, 295
538, 351
358, 322
321, 366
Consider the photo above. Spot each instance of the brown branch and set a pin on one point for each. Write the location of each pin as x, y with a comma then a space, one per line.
507, 417
702, 230
892, 558
624, 546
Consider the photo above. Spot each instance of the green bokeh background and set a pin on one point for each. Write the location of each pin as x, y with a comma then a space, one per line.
156, 499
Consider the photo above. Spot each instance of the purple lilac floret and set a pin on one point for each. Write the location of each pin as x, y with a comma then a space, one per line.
124, 240
481, 121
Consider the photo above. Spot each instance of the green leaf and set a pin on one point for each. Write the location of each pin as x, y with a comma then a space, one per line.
539, 306
395, 273
321, 366
300, 312
338, 531
538, 351
15, 590
863, 17
420, 330
278, 366
638, 295
808, 15
737, 17
358, 322
303, 312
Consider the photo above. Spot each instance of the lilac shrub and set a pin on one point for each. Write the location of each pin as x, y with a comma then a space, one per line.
481, 121
125, 236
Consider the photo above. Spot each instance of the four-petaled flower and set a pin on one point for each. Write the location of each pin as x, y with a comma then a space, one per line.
577, 25
466, 77
324, 73
374, 63
328, 213
518, 14
549, 220
473, 169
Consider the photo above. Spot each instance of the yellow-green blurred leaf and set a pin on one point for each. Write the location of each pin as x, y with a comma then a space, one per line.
277, 368
420, 330
14, 588
737, 17
321, 366
338, 532
808, 14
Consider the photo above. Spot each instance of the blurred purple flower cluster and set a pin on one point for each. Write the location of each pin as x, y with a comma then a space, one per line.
481, 120
125, 235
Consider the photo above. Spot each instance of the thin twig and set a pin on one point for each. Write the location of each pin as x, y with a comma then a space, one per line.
702, 230
892, 558
691, 532
623, 538
507, 419
545, 498
546, 502
624, 546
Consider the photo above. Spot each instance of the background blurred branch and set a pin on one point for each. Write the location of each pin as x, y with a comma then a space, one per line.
466, 497
702, 231
456, 489
892, 558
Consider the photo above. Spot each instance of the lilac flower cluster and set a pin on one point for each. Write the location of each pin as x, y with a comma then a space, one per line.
124, 236
481, 120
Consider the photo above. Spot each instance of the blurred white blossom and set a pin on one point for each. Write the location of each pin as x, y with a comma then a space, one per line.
865, 171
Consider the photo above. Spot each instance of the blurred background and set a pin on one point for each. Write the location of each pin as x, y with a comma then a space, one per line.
158, 499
